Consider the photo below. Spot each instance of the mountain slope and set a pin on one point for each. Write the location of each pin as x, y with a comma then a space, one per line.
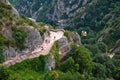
21, 38
67, 59
16, 32
52, 11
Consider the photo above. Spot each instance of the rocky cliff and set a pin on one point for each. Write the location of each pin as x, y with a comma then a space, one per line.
57, 12
21, 37
16, 33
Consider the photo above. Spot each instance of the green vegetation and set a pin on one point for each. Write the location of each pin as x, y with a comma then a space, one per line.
93, 48
66, 33
25, 19
19, 36
114, 35
103, 47
1, 48
78, 65
57, 75
55, 51
69, 65
4, 73
1, 54
99, 71
116, 60
82, 56
36, 64
87, 62
28, 69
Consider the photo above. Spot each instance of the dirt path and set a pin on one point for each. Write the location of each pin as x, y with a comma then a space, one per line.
43, 49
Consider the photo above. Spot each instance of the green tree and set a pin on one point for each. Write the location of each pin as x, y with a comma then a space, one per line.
93, 48
4, 73
19, 36
100, 58
117, 73
103, 47
69, 65
110, 68
1, 48
106, 62
117, 55
81, 56
99, 71
55, 75
1, 54
38, 64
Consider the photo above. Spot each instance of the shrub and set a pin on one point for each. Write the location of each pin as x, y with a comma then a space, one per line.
117, 73
99, 71
68, 65
19, 37
1, 48
103, 47
66, 33
4, 73
81, 56
93, 48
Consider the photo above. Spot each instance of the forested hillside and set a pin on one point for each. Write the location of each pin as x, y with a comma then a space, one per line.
95, 56
97, 17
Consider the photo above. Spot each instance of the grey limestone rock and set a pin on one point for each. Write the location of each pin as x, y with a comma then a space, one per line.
64, 46
50, 63
9, 52
34, 38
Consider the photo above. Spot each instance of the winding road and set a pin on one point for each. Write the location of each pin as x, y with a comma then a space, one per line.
43, 49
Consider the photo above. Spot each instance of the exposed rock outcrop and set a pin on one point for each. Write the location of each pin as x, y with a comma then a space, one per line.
50, 63
64, 46
58, 11
6, 32
31, 42
76, 38
73, 37
65, 42
34, 38
9, 53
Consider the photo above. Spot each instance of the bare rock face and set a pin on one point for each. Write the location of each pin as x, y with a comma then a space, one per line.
32, 41
76, 38
6, 32
34, 38
50, 63
15, 12
64, 46
59, 11
9, 53
65, 42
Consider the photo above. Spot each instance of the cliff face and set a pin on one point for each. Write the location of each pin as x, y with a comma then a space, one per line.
57, 12
75, 14
21, 36
31, 41
16, 32
65, 42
